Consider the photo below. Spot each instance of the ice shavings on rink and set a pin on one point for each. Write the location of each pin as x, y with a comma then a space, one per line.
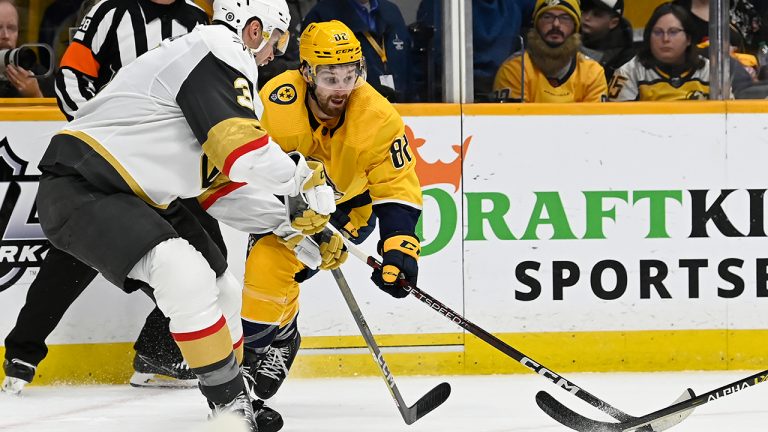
477, 404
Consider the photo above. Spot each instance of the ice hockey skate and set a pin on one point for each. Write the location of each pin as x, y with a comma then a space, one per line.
17, 375
240, 407
267, 418
270, 372
151, 372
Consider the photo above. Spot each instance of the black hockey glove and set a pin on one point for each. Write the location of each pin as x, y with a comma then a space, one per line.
400, 253
341, 220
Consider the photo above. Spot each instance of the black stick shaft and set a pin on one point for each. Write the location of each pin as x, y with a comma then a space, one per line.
497, 343
526, 361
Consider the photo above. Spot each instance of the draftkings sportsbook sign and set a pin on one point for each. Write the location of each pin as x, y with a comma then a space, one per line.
545, 222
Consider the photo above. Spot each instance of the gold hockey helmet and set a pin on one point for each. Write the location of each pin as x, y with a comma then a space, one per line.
332, 56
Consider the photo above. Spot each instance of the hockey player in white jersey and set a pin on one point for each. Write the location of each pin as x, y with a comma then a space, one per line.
168, 126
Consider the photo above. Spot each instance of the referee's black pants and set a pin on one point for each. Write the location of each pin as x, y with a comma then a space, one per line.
60, 281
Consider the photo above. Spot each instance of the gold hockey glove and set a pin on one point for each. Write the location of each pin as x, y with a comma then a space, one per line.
332, 250
309, 222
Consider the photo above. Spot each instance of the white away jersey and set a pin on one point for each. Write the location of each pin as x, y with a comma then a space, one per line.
635, 82
171, 121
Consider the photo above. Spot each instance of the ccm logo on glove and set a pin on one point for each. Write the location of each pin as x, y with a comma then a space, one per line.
400, 253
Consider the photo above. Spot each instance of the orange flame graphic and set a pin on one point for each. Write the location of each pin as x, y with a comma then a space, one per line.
438, 172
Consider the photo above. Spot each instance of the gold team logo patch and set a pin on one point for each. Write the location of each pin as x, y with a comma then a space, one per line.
283, 95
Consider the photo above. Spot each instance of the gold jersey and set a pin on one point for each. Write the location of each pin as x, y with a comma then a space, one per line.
584, 82
364, 150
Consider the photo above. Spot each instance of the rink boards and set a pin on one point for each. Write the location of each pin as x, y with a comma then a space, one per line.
615, 237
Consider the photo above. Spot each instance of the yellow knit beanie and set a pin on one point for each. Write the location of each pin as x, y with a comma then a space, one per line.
570, 6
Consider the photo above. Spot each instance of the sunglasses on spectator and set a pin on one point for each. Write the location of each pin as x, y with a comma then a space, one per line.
548, 18
671, 33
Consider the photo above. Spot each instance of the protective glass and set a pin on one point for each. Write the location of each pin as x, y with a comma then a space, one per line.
347, 76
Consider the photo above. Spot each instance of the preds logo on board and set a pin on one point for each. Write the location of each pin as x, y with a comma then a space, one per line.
283, 95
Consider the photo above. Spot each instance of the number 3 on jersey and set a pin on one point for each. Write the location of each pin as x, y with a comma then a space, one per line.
400, 152
244, 99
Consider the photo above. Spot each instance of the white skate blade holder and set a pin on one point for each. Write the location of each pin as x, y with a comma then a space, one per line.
151, 380
224, 422
13, 386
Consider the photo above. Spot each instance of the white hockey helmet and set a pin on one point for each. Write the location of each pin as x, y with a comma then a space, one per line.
273, 14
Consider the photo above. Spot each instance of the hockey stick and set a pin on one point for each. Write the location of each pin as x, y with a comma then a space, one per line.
426, 403
500, 345
433, 398
661, 417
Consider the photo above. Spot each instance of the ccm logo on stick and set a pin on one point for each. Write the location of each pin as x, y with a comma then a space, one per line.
548, 374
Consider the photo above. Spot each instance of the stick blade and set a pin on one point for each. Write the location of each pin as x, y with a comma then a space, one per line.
433, 399
569, 418
667, 422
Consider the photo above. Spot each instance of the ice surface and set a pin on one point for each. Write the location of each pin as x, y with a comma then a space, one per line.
477, 404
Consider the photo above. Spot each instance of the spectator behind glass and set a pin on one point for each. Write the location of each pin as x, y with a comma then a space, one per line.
606, 35
667, 66
748, 16
16, 81
57, 19
552, 69
743, 65
496, 29
386, 43
741, 12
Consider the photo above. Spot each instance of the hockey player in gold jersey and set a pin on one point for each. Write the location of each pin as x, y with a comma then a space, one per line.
327, 112
551, 69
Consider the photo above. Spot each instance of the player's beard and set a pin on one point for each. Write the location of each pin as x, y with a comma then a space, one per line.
552, 60
333, 105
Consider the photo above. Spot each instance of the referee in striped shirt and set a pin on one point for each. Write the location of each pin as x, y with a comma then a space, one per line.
111, 35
